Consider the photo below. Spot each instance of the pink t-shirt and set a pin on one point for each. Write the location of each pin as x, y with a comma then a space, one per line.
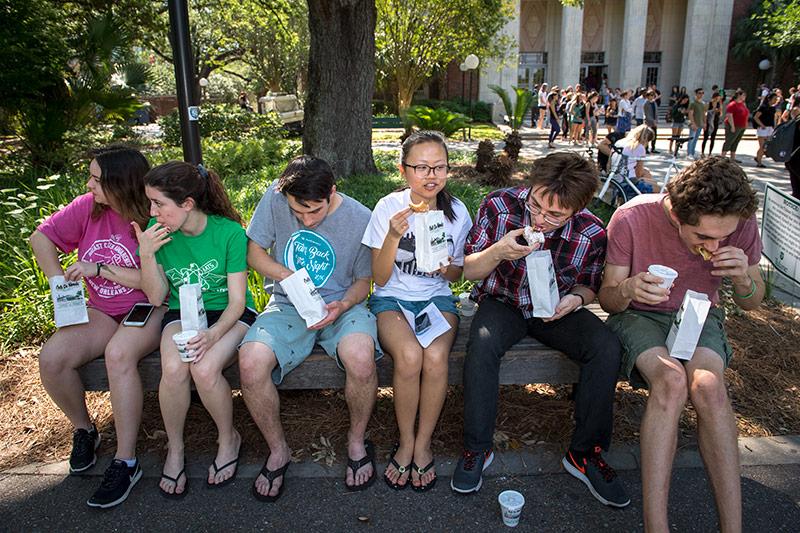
640, 234
107, 239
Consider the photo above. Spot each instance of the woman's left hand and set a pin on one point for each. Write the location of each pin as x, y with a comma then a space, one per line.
202, 342
443, 269
80, 269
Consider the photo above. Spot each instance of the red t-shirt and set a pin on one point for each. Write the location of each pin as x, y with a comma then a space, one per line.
739, 112
640, 234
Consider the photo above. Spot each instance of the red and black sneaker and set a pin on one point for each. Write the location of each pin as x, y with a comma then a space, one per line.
469, 470
596, 474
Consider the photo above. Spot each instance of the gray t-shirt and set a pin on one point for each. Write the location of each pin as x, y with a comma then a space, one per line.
332, 252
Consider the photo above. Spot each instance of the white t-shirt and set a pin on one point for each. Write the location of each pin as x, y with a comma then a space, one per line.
406, 282
632, 154
638, 107
625, 106
542, 98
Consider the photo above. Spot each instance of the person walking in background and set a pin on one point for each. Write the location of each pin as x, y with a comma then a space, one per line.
697, 118
678, 115
591, 118
713, 115
736, 114
673, 96
625, 112
764, 119
638, 106
578, 117
552, 113
542, 99
611, 113
651, 117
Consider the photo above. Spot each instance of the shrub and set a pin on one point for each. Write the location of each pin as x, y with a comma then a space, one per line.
479, 110
426, 118
225, 122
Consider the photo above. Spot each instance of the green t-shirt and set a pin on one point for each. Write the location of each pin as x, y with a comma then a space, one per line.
207, 258
698, 111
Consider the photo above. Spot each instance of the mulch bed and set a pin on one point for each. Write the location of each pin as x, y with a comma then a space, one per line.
763, 383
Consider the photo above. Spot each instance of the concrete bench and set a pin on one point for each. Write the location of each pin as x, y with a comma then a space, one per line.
528, 361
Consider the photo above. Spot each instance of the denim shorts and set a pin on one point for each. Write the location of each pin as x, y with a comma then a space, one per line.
640, 331
379, 304
282, 328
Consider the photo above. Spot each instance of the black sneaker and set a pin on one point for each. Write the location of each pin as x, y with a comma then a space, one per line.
84, 446
468, 474
117, 483
598, 476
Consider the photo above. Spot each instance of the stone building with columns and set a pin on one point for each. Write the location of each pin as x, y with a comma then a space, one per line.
632, 42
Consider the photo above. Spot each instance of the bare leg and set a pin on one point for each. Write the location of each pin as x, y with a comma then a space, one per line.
256, 362
173, 397
431, 398
123, 353
67, 350
659, 432
357, 353
215, 392
397, 339
717, 435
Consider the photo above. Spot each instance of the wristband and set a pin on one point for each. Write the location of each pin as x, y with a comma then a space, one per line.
749, 294
99, 266
583, 300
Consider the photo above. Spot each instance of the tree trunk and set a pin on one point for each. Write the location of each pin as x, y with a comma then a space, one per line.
341, 81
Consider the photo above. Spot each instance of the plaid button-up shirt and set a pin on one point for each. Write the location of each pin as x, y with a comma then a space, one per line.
578, 249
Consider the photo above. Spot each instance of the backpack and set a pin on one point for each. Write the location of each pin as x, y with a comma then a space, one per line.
779, 146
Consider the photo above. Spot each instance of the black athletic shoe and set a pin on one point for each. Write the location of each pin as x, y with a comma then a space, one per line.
601, 479
468, 474
84, 446
117, 483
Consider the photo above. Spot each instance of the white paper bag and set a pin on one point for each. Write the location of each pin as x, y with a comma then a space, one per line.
688, 325
542, 283
193, 312
431, 251
69, 302
305, 297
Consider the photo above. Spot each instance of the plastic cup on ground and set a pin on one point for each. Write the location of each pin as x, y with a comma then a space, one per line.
181, 339
665, 273
467, 305
511, 503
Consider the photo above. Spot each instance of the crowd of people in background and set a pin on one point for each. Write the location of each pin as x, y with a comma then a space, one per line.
575, 112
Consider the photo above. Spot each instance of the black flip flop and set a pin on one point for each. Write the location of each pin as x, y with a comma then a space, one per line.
401, 469
175, 495
354, 466
217, 470
421, 472
271, 476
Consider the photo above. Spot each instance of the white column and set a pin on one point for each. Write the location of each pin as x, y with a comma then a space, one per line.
502, 73
634, 28
717, 51
697, 43
568, 69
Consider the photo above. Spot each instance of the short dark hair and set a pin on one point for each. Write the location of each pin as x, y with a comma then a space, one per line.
711, 186
699, 90
307, 178
566, 177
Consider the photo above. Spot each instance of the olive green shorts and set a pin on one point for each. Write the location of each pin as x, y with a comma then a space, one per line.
640, 331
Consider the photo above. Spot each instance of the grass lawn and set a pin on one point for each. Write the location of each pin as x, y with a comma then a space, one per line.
480, 131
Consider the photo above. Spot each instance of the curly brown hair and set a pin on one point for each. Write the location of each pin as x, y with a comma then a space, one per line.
569, 178
711, 186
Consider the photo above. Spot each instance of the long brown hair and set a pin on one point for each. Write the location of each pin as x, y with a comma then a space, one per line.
179, 181
122, 171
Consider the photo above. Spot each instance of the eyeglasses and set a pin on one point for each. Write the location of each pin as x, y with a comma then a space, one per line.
423, 171
536, 211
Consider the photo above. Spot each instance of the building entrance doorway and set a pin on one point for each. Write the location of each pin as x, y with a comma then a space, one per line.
592, 76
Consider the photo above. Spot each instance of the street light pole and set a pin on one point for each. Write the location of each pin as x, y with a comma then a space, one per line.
463, 68
184, 80
471, 62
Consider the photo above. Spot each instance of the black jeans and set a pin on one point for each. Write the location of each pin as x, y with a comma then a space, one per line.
582, 336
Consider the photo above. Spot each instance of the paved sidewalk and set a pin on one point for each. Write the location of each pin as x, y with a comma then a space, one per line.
44, 498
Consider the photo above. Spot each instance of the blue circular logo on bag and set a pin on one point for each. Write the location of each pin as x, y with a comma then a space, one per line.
312, 251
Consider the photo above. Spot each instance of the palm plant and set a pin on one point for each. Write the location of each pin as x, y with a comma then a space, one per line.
516, 112
440, 119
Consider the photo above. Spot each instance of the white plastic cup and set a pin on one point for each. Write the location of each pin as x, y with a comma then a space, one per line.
511, 503
665, 273
467, 305
180, 340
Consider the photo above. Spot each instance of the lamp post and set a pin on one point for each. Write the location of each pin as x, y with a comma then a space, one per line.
463, 68
764, 65
471, 62
203, 82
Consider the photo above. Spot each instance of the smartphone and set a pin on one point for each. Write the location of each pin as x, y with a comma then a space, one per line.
138, 315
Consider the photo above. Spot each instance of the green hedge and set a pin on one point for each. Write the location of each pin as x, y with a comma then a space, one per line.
225, 122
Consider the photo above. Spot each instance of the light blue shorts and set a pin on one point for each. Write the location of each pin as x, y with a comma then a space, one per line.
379, 304
282, 328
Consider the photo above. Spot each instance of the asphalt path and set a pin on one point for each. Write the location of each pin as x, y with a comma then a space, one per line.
554, 502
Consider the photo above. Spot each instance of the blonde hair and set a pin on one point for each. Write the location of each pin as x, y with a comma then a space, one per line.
639, 136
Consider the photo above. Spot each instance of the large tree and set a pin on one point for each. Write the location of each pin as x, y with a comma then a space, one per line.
415, 37
341, 80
